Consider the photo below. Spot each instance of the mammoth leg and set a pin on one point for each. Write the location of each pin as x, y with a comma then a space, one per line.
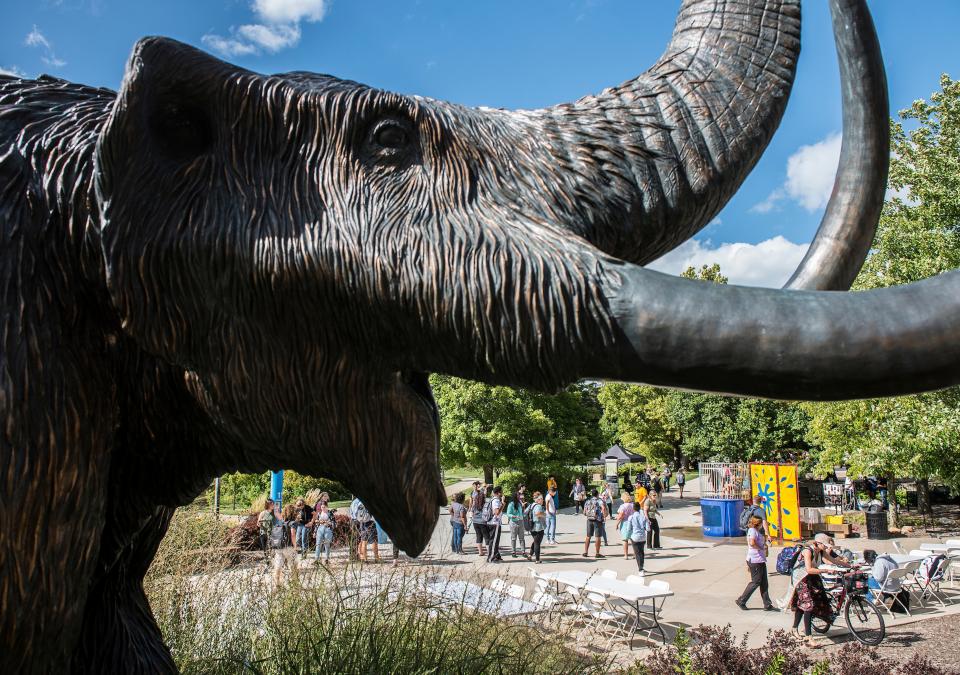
119, 633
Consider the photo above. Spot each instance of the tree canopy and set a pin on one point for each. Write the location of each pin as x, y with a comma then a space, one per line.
505, 427
918, 236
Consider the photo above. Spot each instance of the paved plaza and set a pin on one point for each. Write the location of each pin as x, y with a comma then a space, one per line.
705, 574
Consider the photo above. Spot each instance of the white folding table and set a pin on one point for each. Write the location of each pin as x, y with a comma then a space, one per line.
635, 594
484, 600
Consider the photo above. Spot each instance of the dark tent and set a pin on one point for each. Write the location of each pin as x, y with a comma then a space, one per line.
623, 456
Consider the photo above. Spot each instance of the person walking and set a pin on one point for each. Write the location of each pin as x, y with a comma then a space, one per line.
653, 531
323, 523
756, 510
607, 496
538, 515
579, 494
623, 526
681, 481
666, 479
638, 525
494, 526
458, 522
477, 502
368, 533
515, 512
550, 505
757, 552
595, 512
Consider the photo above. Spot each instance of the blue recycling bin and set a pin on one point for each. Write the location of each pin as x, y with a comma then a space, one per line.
721, 517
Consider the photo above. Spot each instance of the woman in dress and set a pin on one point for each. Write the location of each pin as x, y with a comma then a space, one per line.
808, 598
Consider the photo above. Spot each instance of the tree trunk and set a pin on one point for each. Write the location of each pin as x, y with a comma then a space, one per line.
488, 474
678, 458
923, 496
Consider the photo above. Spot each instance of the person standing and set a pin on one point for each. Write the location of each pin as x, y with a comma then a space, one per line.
515, 512
368, 533
623, 526
303, 516
595, 512
458, 522
607, 496
666, 479
681, 481
638, 526
538, 515
494, 526
757, 552
551, 483
579, 494
323, 521
265, 522
550, 505
477, 499
653, 531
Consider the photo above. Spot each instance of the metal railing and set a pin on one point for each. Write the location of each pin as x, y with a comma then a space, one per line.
724, 480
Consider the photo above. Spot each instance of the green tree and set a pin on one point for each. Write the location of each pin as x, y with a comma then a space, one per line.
918, 236
636, 417
504, 427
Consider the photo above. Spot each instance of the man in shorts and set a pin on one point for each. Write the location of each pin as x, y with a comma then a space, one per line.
477, 498
596, 513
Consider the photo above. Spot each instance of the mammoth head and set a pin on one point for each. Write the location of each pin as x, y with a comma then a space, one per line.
308, 248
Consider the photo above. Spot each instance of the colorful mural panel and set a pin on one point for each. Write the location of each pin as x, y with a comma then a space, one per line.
777, 485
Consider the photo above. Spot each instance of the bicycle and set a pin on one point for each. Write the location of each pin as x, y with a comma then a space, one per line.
848, 596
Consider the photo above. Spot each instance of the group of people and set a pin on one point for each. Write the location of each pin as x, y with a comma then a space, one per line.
313, 526
536, 517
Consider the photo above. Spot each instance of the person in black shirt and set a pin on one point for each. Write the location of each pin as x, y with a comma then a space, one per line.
303, 515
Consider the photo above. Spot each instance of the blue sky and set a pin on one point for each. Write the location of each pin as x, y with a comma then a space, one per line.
512, 54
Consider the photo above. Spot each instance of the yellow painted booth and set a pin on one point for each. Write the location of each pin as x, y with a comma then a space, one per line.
777, 485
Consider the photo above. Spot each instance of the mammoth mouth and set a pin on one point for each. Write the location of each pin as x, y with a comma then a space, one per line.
418, 382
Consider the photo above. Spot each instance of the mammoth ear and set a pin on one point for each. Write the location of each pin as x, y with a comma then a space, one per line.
164, 111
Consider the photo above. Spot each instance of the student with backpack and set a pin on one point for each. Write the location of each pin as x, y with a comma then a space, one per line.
637, 524
756, 566
538, 525
681, 481
515, 514
808, 597
477, 502
756, 509
596, 513
494, 516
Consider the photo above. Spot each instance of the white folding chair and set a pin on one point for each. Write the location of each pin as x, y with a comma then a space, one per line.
920, 551
594, 607
953, 565
608, 574
636, 579
952, 543
626, 612
910, 581
899, 547
499, 585
891, 585
930, 585
515, 591
544, 601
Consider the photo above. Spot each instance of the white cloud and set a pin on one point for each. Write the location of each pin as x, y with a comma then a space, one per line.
37, 39
12, 71
810, 174
290, 11
769, 263
279, 27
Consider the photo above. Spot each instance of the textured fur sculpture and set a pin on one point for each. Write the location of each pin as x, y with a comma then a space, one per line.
214, 270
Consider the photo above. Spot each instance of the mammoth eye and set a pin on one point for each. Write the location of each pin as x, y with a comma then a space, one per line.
391, 135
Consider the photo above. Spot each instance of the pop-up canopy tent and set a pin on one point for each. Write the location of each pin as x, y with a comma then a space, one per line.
623, 456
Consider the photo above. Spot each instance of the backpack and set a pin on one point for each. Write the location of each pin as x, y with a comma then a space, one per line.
745, 517
590, 509
528, 518
787, 559
930, 567
278, 536
487, 513
362, 514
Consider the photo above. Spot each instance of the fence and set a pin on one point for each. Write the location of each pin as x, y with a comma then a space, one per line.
724, 480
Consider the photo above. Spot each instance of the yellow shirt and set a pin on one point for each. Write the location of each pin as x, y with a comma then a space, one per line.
639, 494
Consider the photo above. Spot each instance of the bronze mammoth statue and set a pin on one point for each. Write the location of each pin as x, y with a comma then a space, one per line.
215, 270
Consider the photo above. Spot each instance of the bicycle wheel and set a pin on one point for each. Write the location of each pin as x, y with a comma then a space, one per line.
819, 625
864, 621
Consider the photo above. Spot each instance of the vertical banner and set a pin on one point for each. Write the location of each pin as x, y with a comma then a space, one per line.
777, 485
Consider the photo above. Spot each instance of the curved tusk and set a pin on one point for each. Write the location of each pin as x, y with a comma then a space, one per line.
846, 231
814, 345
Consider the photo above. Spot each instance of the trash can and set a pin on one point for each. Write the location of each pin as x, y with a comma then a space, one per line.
877, 525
